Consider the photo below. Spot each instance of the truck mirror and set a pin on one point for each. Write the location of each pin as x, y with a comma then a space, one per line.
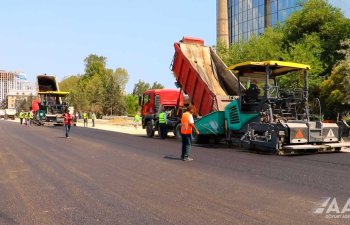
177, 84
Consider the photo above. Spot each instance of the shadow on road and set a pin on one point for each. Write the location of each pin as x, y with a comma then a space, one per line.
172, 157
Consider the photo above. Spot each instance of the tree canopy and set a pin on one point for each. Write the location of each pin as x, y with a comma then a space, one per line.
102, 90
335, 91
99, 89
326, 21
141, 86
311, 35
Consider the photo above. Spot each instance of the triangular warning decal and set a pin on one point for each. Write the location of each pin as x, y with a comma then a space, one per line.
330, 133
299, 135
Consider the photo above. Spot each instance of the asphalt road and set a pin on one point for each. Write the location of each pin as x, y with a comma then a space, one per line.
101, 177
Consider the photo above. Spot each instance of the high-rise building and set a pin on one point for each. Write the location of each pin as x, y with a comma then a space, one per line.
248, 17
14, 83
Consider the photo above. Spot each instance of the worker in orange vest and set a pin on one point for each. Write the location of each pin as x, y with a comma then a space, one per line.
187, 124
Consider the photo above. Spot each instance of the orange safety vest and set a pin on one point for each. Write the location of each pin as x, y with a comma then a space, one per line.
186, 128
68, 119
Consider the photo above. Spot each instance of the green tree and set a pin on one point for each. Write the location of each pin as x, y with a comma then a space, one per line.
307, 51
321, 18
114, 83
76, 98
94, 92
121, 77
94, 66
69, 83
157, 85
140, 87
99, 89
132, 104
258, 48
335, 92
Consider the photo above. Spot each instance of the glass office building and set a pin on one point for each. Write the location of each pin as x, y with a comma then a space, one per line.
248, 17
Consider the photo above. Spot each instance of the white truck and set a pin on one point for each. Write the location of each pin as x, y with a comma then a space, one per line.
2, 113
10, 114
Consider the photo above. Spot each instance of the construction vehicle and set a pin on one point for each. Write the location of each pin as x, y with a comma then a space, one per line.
2, 113
153, 101
51, 106
266, 118
10, 114
202, 75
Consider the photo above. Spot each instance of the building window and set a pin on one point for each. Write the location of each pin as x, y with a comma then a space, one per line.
273, 7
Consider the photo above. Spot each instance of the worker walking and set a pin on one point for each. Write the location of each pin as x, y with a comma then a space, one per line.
29, 117
85, 118
68, 121
26, 119
162, 120
137, 119
187, 124
93, 118
21, 116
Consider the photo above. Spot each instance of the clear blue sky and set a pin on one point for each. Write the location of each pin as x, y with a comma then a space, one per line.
344, 5
54, 36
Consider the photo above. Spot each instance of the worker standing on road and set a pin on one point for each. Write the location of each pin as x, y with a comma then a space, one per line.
162, 120
93, 118
29, 117
26, 118
21, 116
68, 121
187, 124
85, 118
137, 119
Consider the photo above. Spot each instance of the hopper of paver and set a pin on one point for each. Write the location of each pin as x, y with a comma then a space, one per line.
202, 75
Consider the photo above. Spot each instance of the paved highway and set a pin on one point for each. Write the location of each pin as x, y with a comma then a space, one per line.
101, 177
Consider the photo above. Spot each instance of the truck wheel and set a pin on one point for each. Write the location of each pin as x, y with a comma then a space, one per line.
149, 129
177, 132
197, 139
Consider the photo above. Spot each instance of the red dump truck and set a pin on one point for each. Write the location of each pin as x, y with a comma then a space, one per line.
152, 101
203, 76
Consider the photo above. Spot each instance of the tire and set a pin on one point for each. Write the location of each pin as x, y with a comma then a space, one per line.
196, 138
177, 132
149, 129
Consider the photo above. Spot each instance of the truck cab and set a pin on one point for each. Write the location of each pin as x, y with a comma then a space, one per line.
153, 101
